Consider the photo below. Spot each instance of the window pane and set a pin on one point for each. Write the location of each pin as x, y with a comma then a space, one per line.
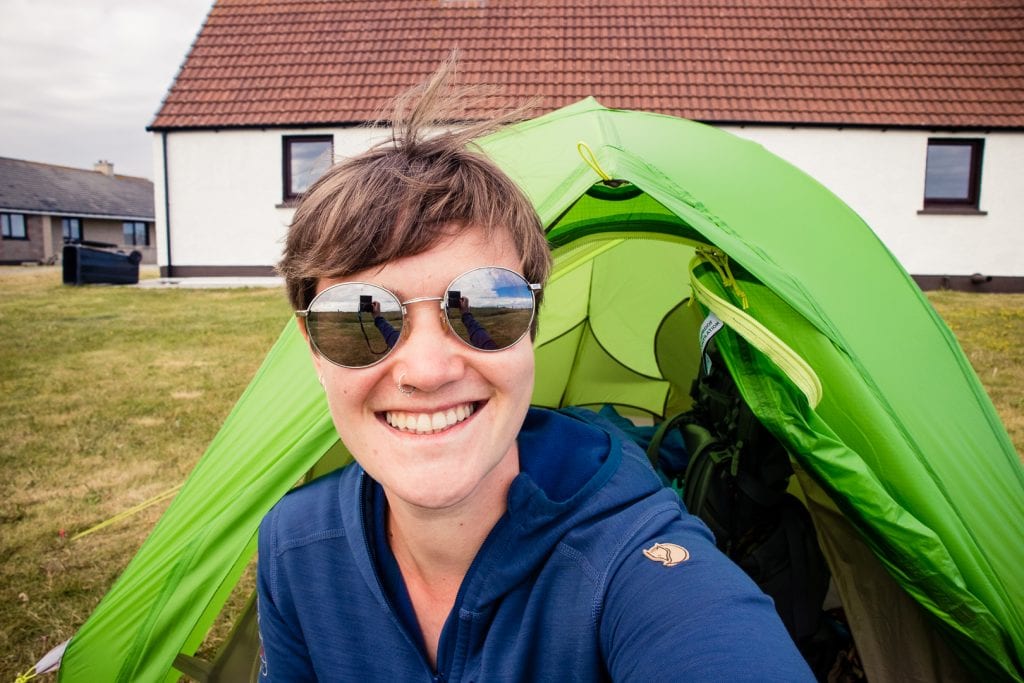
135, 233
309, 159
13, 225
71, 228
948, 172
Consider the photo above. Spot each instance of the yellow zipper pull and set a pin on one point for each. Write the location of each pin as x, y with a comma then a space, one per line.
590, 158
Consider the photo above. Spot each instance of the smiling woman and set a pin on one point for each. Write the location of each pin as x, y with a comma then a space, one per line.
505, 543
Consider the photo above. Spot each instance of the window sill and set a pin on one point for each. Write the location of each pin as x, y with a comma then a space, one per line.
951, 211
288, 204
16, 239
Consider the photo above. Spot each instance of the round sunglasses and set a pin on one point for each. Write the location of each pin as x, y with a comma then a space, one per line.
357, 324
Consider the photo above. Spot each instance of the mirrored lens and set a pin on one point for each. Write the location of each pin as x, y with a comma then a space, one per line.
354, 324
490, 308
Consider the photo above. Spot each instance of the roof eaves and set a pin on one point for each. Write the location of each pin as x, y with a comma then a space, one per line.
864, 126
77, 214
253, 126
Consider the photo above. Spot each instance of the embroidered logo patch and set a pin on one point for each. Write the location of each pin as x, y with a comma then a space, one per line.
669, 554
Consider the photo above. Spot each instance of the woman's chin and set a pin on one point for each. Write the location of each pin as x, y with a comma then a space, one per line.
441, 494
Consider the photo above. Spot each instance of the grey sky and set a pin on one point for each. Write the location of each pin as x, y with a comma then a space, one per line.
81, 79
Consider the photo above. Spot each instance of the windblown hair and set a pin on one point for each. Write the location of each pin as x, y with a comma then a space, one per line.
406, 195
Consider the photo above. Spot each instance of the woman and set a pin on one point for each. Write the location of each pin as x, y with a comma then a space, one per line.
474, 538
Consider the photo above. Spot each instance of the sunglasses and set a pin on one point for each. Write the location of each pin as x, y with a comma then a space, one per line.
357, 324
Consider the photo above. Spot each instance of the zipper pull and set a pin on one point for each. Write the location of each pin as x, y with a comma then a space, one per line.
720, 261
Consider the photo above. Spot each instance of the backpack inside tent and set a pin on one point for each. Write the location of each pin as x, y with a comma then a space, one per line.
914, 488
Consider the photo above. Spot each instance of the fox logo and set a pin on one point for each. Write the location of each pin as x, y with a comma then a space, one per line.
669, 554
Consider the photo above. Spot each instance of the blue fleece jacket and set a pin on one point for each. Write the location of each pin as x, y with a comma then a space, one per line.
594, 573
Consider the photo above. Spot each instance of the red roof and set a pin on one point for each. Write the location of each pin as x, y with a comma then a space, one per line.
934, 63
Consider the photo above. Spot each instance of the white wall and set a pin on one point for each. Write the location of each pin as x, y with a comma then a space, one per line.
226, 191
880, 174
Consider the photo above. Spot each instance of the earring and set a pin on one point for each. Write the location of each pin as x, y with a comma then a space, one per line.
321, 378
403, 388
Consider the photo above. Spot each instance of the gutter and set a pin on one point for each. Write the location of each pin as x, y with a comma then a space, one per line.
167, 207
77, 214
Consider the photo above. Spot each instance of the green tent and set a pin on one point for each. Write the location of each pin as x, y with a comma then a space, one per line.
654, 221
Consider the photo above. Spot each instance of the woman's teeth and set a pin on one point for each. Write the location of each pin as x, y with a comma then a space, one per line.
429, 423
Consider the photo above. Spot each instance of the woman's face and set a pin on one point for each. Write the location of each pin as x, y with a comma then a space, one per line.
465, 460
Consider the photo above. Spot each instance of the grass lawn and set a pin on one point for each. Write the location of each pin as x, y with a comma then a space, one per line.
108, 396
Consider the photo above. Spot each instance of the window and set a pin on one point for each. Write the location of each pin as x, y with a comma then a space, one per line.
72, 229
13, 226
953, 173
306, 157
136, 233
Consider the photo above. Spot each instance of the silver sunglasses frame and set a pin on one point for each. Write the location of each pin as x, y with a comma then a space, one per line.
534, 287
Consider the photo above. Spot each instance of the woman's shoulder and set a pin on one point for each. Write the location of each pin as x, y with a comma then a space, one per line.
312, 511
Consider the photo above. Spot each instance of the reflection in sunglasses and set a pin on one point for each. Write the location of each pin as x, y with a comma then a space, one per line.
489, 309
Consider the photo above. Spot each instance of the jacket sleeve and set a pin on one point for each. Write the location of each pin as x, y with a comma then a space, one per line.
283, 652
478, 336
675, 608
389, 333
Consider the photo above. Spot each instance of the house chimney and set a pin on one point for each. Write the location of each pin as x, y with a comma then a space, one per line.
104, 167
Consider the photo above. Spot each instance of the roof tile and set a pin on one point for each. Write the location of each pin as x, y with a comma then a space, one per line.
35, 187
847, 62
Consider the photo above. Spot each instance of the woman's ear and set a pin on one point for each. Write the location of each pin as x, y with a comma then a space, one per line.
317, 360
301, 322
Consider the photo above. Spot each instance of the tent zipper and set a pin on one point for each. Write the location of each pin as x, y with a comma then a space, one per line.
760, 337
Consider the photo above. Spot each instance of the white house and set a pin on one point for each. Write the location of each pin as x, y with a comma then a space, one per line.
912, 114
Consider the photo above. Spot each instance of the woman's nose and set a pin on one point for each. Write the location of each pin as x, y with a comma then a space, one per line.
429, 356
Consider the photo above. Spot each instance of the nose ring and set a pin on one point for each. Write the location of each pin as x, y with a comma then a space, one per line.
403, 388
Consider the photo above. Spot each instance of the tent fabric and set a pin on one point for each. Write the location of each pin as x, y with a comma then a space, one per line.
904, 441
897, 538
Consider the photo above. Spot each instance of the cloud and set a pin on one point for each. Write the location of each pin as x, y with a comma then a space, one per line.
83, 79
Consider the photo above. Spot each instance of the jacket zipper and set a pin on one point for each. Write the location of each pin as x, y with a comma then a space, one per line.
364, 492
451, 631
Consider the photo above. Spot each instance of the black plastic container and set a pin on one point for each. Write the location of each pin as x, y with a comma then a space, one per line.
87, 263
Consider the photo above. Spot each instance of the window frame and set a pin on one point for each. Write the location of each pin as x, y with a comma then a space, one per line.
6, 227
134, 241
973, 200
289, 196
64, 221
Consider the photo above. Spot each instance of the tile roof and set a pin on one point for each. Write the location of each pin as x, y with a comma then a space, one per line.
935, 63
42, 188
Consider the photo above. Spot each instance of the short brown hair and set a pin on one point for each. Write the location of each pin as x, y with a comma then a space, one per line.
404, 196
